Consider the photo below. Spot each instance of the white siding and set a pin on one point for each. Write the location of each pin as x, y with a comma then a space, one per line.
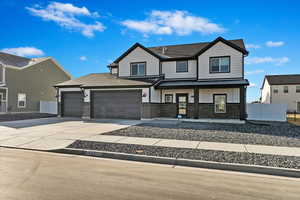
206, 95
291, 98
178, 91
169, 69
155, 95
139, 55
266, 93
221, 49
114, 70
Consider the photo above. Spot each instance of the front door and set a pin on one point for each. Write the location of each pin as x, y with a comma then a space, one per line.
182, 103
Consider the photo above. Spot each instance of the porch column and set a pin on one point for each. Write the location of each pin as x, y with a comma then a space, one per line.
196, 103
242, 103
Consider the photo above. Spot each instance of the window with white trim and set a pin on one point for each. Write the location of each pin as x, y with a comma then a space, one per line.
220, 103
138, 69
1, 74
21, 100
298, 89
219, 64
168, 98
182, 66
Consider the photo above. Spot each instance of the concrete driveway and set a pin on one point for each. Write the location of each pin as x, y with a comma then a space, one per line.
55, 133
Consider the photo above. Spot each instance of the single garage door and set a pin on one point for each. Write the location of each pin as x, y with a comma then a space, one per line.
118, 104
72, 103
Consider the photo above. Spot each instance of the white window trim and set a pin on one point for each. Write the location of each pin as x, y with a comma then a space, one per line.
219, 57
25, 102
3, 75
215, 107
138, 69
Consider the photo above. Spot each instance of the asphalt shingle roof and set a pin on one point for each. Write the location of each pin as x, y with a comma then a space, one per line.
283, 79
102, 80
13, 60
187, 50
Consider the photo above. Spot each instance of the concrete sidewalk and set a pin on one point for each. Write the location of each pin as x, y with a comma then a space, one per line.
218, 146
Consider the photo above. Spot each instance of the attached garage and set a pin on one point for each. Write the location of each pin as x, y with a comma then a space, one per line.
118, 104
72, 104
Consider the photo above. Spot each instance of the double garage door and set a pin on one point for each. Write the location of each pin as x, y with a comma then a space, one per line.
118, 104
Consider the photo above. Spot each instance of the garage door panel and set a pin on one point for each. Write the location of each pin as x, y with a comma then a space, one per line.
117, 104
72, 104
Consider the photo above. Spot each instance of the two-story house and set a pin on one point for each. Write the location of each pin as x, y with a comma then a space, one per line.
282, 89
200, 80
25, 82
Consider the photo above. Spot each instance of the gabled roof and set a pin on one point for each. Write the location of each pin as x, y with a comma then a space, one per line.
287, 79
132, 48
13, 60
102, 80
21, 63
173, 52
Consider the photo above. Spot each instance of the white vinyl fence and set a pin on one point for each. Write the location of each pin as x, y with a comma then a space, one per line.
48, 107
267, 112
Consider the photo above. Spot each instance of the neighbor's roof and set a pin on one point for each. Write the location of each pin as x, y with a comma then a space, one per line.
13, 60
220, 83
102, 80
283, 79
169, 52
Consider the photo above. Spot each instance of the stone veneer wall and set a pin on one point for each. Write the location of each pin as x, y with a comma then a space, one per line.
206, 110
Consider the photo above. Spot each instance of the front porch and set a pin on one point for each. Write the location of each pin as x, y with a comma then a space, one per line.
199, 100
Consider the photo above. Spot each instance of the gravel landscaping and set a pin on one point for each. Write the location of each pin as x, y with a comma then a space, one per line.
22, 116
271, 133
194, 154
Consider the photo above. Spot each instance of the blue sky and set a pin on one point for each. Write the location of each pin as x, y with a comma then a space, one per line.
85, 35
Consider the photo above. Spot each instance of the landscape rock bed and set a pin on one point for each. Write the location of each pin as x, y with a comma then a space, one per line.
194, 154
272, 133
23, 116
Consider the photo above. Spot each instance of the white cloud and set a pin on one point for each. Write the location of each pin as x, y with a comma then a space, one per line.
251, 85
83, 58
261, 60
169, 22
274, 44
64, 14
24, 51
259, 71
252, 46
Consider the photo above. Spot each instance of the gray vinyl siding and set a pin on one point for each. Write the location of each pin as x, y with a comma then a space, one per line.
36, 82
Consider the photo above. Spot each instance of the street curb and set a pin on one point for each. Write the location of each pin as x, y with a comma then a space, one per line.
185, 162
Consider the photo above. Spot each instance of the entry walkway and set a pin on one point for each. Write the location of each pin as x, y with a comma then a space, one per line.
217, 146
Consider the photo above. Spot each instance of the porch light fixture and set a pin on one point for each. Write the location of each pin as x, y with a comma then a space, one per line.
83, 92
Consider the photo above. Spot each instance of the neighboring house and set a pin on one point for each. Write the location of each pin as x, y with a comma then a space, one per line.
200, 80
25, 82
282, 89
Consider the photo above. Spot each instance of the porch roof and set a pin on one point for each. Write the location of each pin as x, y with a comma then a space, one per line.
203, 84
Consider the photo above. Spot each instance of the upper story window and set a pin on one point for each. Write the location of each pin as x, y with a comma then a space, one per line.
138, 69
275, 91
298, 89
219, 64
182, 66
285, 89
21, 100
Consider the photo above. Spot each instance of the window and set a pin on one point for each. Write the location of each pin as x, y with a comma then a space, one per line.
298, 89
138, 69
168, 98
275, 91
285, 89
1, 74
220, 103
219, 64
182, 66
21, 100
